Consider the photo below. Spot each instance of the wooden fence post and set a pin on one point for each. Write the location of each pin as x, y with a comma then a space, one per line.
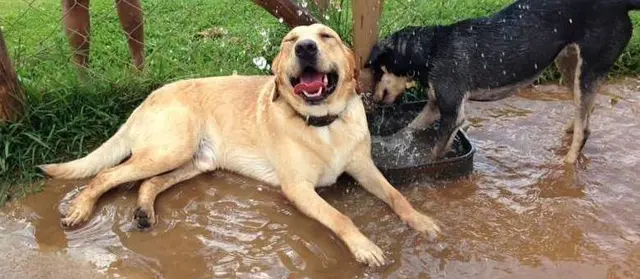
291, 14
12, 97
366, 15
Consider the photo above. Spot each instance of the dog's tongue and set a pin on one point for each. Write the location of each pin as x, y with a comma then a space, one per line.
310, 82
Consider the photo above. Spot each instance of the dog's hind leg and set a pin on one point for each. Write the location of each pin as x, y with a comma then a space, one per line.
567, 63
596, 59
141, 165
584, 97
158, 145
144, 214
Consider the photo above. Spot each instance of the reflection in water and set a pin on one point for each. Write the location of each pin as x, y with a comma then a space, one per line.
521, 214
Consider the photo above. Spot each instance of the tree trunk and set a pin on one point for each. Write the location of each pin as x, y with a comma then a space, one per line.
11, 96
291, 14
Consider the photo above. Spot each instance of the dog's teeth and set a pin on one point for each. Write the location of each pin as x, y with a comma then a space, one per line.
319, 92
325, 79
305, 92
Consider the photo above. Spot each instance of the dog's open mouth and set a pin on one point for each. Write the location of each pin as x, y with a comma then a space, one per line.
314, 86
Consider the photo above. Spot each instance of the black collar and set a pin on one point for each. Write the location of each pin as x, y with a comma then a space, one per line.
318, 121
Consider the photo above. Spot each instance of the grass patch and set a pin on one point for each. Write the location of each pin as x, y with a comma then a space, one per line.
66, 119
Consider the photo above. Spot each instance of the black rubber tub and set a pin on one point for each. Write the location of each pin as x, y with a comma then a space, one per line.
404, 155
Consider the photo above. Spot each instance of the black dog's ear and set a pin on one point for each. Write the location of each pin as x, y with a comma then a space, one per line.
376, 53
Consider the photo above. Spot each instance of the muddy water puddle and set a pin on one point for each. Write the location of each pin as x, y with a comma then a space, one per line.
521, 214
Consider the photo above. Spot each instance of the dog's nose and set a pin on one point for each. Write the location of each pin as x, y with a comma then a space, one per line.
306, 49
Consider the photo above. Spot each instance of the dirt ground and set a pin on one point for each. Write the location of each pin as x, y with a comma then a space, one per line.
521, 214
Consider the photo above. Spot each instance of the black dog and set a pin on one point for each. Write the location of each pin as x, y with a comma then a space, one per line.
489, 58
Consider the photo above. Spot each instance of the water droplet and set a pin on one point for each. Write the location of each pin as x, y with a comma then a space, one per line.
260, 62
485, 66
504, 72
500, 60
571, 21
535, 66
281, 20
482, 54
326, 17
555, 30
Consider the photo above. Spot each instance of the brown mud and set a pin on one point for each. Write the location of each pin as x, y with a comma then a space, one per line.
521, 214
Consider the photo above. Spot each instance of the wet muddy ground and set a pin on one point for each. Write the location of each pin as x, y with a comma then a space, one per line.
521, 214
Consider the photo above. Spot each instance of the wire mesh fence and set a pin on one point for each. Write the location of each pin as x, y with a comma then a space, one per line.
167, 39
181, 39
177, 39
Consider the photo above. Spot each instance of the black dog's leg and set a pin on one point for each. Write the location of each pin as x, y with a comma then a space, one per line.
595, 61
429, 113
585, 95
450, 102
567, 62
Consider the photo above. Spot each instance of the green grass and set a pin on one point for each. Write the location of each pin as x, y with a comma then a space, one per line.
66, 118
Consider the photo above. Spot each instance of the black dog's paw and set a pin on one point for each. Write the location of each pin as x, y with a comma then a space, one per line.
143, 219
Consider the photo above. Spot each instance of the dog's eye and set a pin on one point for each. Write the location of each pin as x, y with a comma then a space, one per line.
326, 36
291, 39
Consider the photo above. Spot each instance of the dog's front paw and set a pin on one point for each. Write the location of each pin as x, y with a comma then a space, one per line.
79, 212
144, 218
367, 252
424, 224
570, 158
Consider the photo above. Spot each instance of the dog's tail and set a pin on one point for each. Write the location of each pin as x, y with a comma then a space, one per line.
107, 155
633, 4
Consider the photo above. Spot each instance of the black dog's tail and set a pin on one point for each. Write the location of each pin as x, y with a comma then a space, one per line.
633, 4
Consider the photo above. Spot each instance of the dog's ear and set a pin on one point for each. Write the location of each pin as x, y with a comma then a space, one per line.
353, 68
276, 92
377, 52
356, 76
275, 64
275, 69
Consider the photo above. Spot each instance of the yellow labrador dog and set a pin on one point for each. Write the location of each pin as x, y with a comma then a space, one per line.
300, 129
